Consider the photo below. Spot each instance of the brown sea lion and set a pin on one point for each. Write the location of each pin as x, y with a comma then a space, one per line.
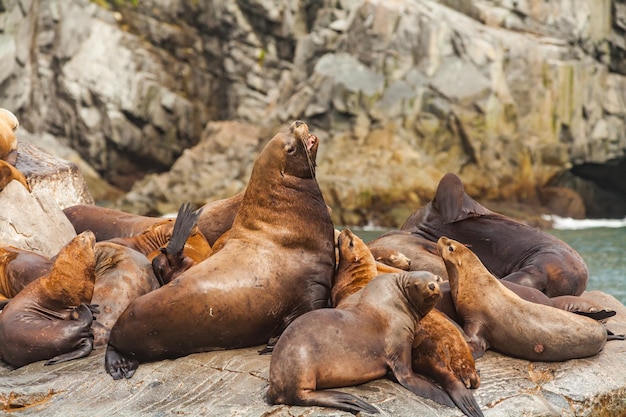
391, 257
122, 274
9, 173
422, 253
216, 218
50, 318
18, 268
439, 348
495, 317
276, 265
338, 347
8, 141
511, 250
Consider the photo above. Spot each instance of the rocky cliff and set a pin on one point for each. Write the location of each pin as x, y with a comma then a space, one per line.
171, 100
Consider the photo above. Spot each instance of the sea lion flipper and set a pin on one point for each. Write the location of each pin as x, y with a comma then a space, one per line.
117, 365
612, 336
464, 399
582, 306
453, 203
336, 399
420, 386
84, 348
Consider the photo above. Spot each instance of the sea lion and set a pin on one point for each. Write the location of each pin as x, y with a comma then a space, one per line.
495, 317
8, 141
50, 318
18, 268
216, 218
421, 252
439, 348
182, 251
511, 250
340, 347
122, 274
8, 150
277, 264
391, 257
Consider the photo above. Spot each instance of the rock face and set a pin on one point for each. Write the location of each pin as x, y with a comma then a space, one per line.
512, 96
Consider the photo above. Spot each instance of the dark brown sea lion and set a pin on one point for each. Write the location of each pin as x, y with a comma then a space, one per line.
276, 265
511, 250
122, 275
216, 218
495, 317
50, 318
439, 348
338, 347
18, 268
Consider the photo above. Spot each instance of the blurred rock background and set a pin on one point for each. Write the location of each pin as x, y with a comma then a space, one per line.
164, 101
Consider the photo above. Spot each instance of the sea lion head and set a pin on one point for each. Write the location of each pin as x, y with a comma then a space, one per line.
8, 125
421, 289
71, 281
299, 150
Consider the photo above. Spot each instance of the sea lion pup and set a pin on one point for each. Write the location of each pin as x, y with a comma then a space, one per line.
122, 275
216, 218
391, 257
338, 347
276, 264
439, 348
511, 250
50, 318
495, 317
175, 258
18, 268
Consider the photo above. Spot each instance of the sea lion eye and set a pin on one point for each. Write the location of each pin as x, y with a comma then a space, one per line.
450, 248
290, 149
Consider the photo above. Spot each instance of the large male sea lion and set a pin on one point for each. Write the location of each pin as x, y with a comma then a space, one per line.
439, 347
495, 317
511, 250
50, 318
339, 347
276, 264
122, 275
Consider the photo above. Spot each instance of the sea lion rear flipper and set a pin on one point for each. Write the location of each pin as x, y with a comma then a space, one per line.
85, 346
612, 336
582, 306
336, 399
269, 348
419, 385
117, 365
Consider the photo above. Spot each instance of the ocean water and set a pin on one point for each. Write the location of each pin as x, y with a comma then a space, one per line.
601, 243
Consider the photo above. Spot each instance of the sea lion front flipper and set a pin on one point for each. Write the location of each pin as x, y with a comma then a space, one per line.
464, 399
84, 348
453, 204
117, 365
269, 348
336, 399
418, 385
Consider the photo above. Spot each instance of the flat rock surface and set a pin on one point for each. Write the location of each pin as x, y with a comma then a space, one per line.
234, 383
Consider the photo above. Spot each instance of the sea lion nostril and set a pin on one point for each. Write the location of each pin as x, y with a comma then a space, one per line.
431, 286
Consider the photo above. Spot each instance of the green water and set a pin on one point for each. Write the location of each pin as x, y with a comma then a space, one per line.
602, 248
